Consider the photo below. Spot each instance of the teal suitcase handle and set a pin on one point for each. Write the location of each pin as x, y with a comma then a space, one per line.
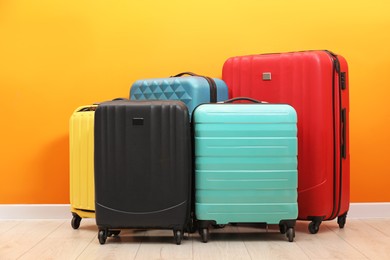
242, 99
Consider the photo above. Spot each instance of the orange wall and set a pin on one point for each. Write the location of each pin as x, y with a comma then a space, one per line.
58, 54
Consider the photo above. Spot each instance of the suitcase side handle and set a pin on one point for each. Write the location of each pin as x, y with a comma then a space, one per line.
344, 133
213, 86
242, 99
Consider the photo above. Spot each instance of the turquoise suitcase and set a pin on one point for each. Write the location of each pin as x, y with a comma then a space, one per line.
192, 91
245, 165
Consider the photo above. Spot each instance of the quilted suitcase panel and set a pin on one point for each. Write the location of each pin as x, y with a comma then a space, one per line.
192, 91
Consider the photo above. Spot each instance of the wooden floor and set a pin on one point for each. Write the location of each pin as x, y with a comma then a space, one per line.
55, 239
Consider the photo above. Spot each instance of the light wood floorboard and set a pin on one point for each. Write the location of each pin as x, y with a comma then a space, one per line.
24, 235
270, 244
224, 243
124, 246
326, 244
62, 244
368, 237
55, 239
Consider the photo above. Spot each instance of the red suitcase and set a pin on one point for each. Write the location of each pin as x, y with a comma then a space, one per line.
315, 83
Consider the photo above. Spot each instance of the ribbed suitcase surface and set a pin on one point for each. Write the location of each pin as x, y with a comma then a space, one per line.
192, 91
142, 164
245, 163
81, 147
315, 83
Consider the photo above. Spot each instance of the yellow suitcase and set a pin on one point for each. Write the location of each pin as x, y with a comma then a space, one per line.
81, 147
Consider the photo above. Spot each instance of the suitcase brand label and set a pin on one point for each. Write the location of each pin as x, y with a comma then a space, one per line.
267, 76
138, 121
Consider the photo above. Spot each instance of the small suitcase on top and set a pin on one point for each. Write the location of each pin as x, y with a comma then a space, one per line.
315, 83
142, 166
245, 165
81, 146
192, 90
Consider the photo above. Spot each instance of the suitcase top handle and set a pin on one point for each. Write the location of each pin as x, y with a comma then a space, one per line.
87, 109
242, 99
185, 73
115, 99
213, 86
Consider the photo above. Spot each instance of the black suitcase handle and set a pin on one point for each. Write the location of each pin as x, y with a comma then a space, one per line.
213, 86
115, 99
242, 99
87, 109
185, 73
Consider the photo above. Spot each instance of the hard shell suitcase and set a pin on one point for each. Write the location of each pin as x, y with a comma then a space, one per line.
81, 146
245, 165
315, 83
193, 90
142, 166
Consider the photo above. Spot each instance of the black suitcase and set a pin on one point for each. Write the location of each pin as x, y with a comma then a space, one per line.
142, 166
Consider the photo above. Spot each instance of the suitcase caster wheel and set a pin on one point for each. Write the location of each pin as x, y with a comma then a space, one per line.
192, 225
76, 221
192, 228
290, 234
113, 233
314, 227
178, 235
341, 220
102, 236
218, 226
204, 234
283, 229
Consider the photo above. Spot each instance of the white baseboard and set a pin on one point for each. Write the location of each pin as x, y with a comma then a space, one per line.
35, 211
369, 210
62, 211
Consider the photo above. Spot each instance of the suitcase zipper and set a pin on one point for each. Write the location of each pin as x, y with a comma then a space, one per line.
213, 89
336, 69
212, 85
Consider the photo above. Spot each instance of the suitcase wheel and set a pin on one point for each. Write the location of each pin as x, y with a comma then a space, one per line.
290, 234
113, 233
102, 236
218, 226
75, 221
204, 234
192, 225
314, 226
178, 235
341, 220
283, 228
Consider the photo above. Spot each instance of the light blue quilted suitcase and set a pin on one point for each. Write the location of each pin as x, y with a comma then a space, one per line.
192, 90
245, 165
